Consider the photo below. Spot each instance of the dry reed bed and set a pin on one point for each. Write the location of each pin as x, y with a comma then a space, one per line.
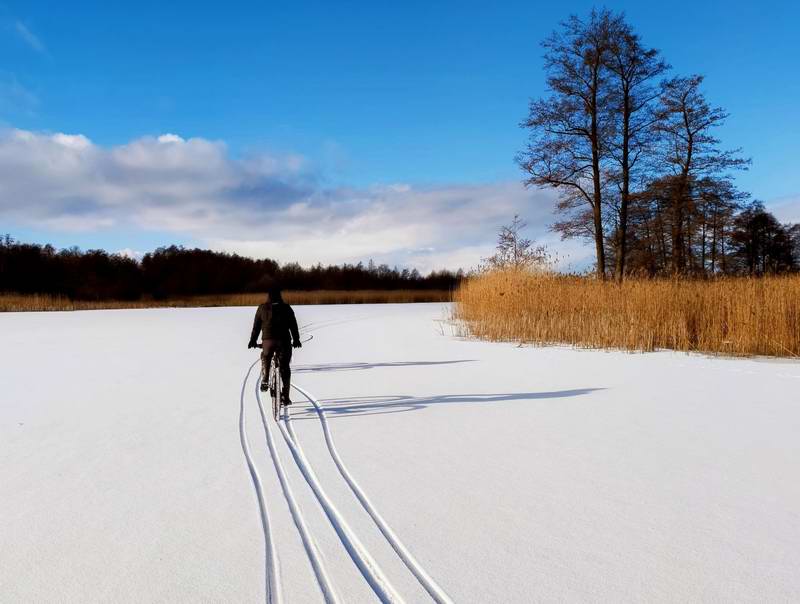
733, 316
29, 303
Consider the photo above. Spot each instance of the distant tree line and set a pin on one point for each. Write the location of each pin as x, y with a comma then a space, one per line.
638, 167
174, 271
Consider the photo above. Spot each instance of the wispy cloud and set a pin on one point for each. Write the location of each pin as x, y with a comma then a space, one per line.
14, 97
30, 38
263, 205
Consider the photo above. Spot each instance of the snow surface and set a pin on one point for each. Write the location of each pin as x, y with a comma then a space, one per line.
506, 474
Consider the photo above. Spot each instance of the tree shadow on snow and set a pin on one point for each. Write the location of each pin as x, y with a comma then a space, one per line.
371, 405
362, 366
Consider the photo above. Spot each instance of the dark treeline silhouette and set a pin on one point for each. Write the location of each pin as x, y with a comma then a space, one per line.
172, 272
633, 153
722, 236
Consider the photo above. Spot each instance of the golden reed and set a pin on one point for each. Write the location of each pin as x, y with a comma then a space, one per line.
732, 316
28, 303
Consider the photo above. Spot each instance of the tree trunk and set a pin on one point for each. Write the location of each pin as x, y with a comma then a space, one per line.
597, 206
723, 254
714, 230
663, 244
691, 262
678, 261
679, 197
703, 247
622, 241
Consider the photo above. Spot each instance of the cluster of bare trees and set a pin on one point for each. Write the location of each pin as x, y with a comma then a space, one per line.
634, 156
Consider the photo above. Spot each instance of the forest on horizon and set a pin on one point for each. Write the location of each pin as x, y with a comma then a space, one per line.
174, 271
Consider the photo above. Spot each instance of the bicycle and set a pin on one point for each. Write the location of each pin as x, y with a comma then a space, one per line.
274, 383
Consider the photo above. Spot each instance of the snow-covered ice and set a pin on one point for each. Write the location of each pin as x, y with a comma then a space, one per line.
507, 474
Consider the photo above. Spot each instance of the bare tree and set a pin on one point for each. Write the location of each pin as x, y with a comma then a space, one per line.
708, 221
763, 244
569, 128
633, 93
691, 152
619, 146
515, 251
714, 206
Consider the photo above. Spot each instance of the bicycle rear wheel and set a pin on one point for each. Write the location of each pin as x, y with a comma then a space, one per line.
276, 387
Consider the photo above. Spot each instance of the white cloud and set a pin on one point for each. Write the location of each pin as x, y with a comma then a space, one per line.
170, 138
78, 141
129, 253
259, 206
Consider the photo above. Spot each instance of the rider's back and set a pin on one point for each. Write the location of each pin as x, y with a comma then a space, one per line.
277, 321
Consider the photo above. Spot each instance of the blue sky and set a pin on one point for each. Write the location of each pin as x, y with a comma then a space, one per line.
364, 95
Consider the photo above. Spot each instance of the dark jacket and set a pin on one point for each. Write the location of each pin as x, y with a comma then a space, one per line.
276, 321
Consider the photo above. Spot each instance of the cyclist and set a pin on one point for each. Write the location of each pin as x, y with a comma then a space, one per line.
279, 334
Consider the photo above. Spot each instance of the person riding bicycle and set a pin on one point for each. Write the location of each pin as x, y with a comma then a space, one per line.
279, 334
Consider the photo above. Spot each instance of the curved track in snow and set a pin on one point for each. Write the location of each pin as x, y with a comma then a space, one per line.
436, 592
363, 560
309, 544
372, 573
273, 589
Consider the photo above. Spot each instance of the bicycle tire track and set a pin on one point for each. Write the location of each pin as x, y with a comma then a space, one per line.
314, 326
428, 583
312, 551
368, 567
272, 575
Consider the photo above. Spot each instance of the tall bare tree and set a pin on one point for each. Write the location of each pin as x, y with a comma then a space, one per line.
634, 93
691, 152
569, 128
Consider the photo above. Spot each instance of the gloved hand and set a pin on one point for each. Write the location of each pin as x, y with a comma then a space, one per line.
297, 344
252, 344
